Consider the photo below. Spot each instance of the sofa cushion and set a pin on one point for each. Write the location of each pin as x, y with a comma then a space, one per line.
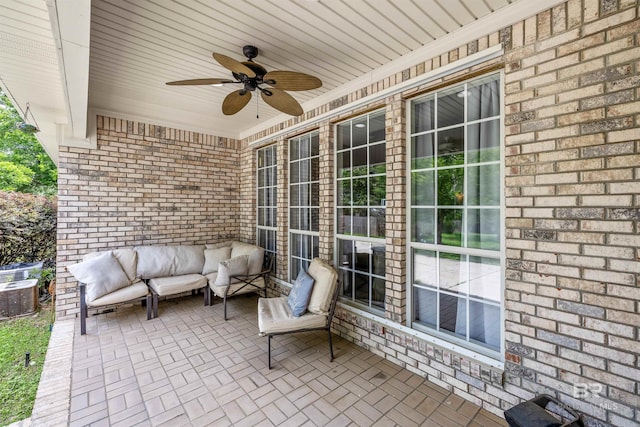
155, 261
128, 259
255, 253
218, 245
326, 279
188, 260
212, 258
176, 284
128, 293
300, 294
275, 316
232, 266
102, 275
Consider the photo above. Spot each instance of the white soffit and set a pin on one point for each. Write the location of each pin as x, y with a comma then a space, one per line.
70, 21
136, 47
29, 67
506, 16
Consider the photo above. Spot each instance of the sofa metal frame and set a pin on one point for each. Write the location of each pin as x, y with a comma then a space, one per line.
84, 308
327, 327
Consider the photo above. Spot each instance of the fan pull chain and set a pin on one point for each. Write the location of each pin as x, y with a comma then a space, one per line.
257, 107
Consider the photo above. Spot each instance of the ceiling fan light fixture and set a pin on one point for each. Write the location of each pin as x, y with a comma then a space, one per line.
252, 75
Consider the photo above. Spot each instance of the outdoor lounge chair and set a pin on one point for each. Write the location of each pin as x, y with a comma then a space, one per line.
276, 318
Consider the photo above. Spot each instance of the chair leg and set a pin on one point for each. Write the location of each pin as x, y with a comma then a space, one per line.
155, 305
83, 312
330, 345
269, 351
224, 303
149, 308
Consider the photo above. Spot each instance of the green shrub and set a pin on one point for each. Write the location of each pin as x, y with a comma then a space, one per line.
27, 228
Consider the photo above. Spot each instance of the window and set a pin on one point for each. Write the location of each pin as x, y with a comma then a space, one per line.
267, 198
360, 209
304, 202
455, 214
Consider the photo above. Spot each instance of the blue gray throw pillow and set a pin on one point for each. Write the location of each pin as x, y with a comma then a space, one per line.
300, 294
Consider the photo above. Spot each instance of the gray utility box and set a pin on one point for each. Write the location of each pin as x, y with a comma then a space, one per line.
18, 298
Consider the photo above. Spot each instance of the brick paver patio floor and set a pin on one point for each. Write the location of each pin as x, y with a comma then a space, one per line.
190, 367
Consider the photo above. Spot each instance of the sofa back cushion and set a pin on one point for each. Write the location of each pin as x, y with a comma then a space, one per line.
326, 280
155, 261
164, 261
213, 257
102, 274
218, 245
128, 259
255, 253
188, 260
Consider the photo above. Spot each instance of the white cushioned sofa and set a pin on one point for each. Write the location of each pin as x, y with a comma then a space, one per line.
149, 272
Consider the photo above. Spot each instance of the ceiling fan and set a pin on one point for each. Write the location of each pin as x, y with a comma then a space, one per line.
252, 76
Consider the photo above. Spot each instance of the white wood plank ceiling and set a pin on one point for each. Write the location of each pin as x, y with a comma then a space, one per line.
120, 53
138, 46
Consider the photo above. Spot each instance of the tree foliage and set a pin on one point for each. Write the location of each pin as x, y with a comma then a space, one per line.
24, 165
27, 228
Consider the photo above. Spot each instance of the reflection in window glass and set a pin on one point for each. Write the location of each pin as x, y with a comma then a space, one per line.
422, 147
304, 202
455, 215
361, 199
362, 268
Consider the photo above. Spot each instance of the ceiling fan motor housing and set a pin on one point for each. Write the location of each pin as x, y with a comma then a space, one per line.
250, 51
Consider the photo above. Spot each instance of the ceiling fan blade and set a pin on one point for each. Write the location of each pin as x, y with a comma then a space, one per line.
200, 82
291, 80
235, 101
281, 100
233, 65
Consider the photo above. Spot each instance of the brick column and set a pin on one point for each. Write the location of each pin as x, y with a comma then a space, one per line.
282, 234
396, 224
248, 185
327, 185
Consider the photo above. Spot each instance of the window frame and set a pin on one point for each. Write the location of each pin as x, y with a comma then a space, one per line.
292, 232
269, 230
463, 346
339, 237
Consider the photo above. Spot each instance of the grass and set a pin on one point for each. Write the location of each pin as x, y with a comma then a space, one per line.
18, 384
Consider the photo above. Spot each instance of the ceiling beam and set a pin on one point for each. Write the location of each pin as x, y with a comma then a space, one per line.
70, 26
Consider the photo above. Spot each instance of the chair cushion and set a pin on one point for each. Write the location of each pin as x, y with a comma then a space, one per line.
232, 266
128, 259
212, 258
274, 316
176, 284
128, 293
255, 253
300, 294
102, 275
326, 280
